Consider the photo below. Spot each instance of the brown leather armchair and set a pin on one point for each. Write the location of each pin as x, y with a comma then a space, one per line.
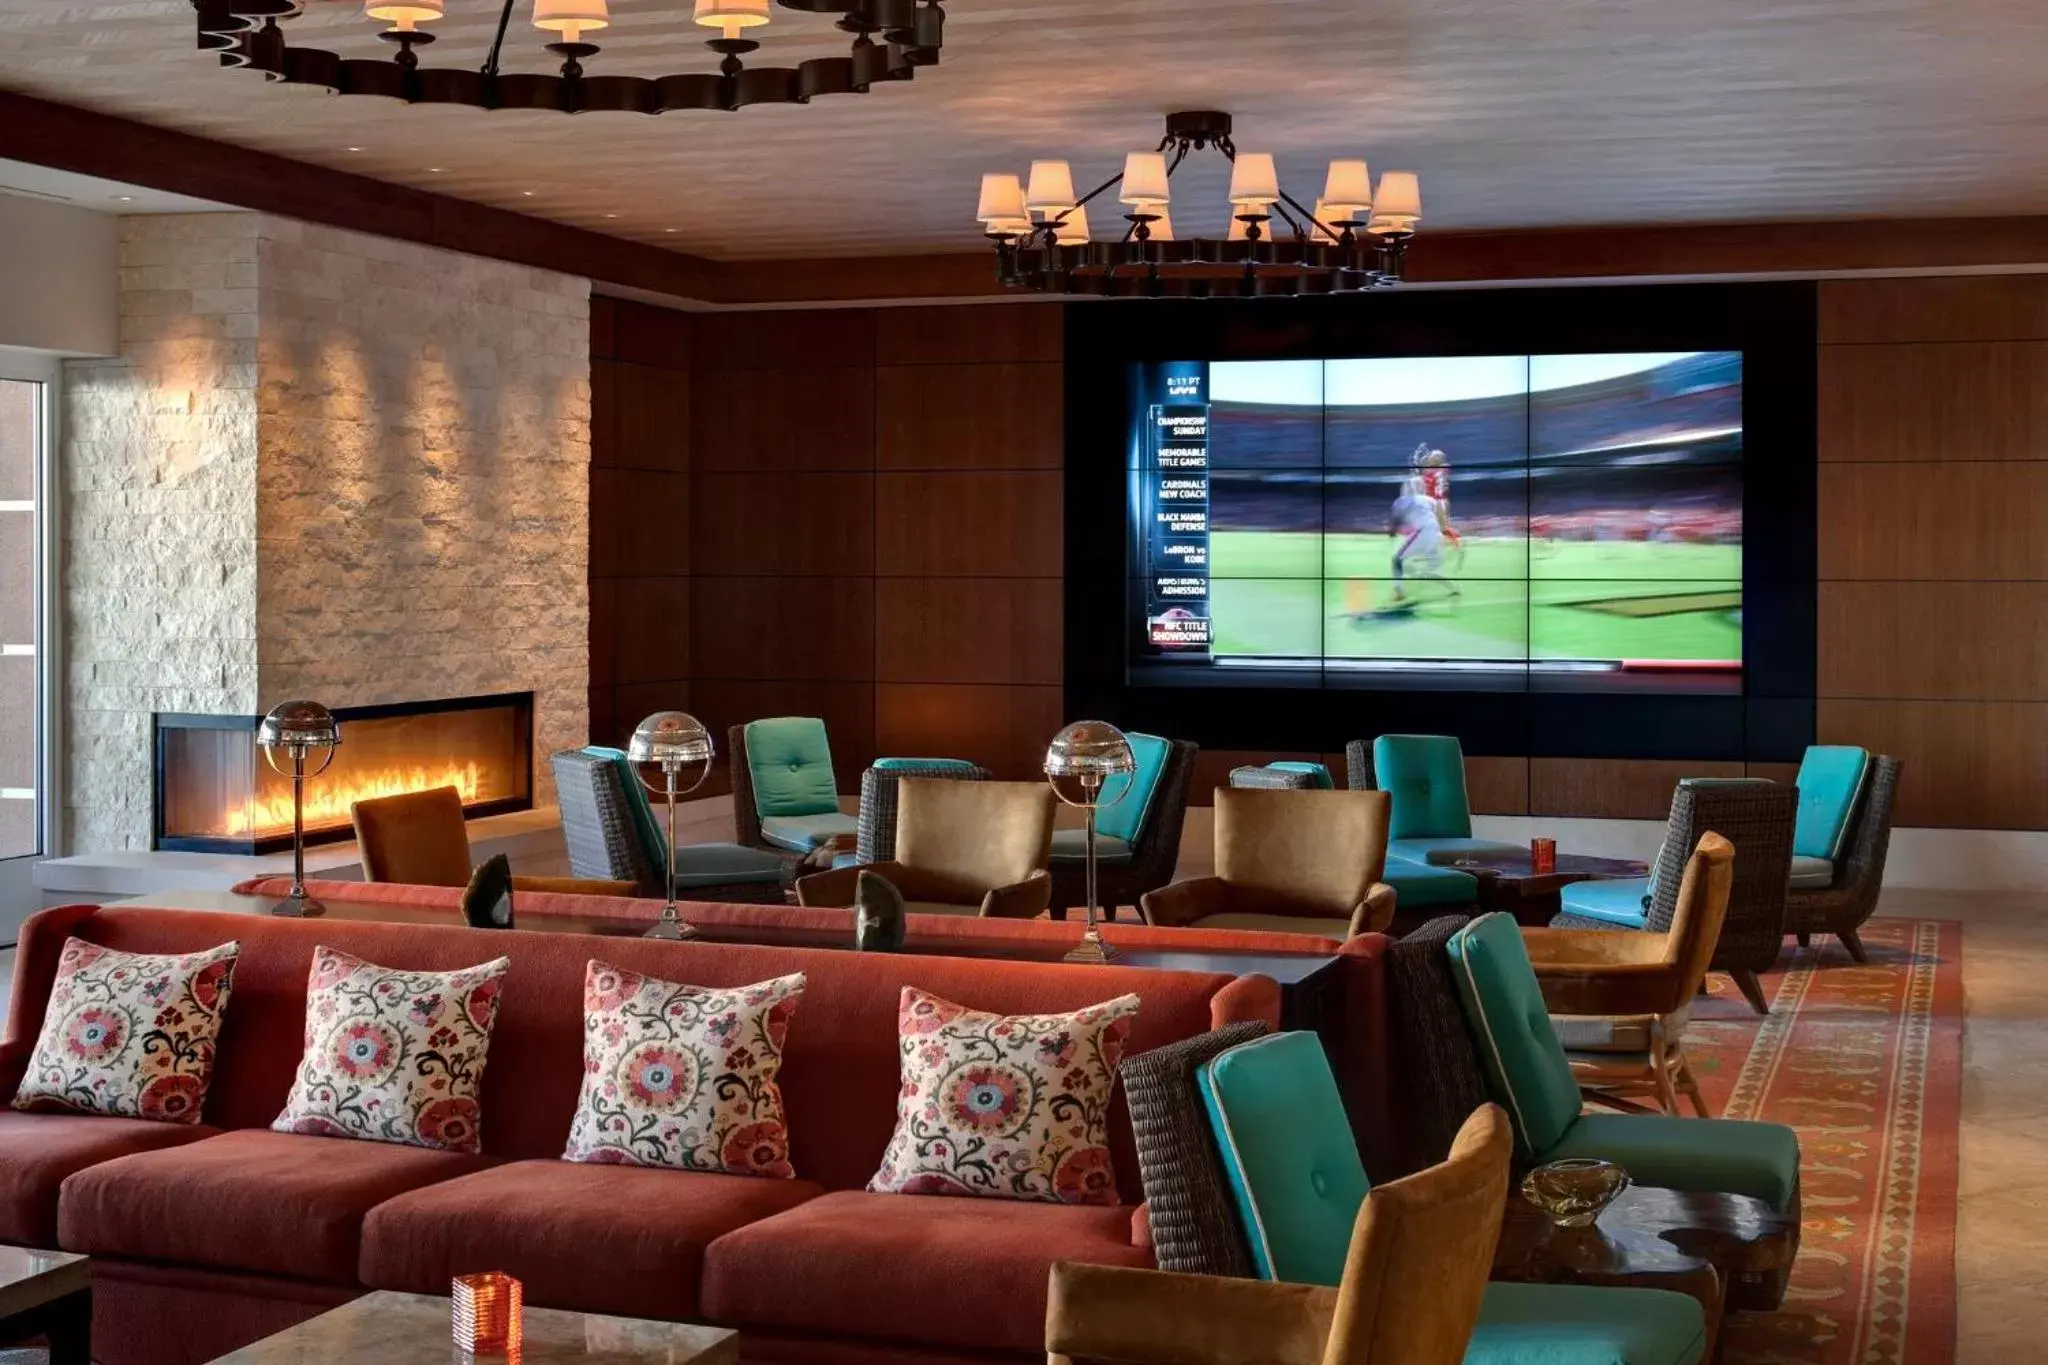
1305, 862
1420, 1254
962, 848
419, 838
1619, 999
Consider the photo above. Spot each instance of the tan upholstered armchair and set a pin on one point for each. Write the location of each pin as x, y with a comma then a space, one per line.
1420, 1254
962, 848
1619, 999
1304, 862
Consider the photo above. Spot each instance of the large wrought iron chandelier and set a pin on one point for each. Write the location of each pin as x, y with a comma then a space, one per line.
891, 39
1355, 238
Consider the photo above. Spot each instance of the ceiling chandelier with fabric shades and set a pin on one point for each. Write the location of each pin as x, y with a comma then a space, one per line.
890, 40
1355, 238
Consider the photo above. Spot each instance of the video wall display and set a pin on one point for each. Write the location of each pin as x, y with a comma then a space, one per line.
1560, 522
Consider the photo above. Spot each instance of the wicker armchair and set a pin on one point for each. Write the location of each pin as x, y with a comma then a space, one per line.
1154, 854
1841, 909
1440, 1078
1754, 815
880, 796
1281, 777
601, 827
746, 810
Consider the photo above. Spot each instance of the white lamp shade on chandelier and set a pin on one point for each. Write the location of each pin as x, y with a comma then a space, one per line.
1002, 199
404, 15
1399, 202
570, 18
731, 15
1051, 189
1144, 184
1254, 183
1347, 191
1072, 230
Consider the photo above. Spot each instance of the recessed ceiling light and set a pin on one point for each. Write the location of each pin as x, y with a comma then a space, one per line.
434, 170
611, 215
668, 229
527, 193
354, 149
124, 198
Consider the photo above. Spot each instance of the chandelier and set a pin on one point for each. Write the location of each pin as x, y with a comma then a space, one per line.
1355, 238
891, 39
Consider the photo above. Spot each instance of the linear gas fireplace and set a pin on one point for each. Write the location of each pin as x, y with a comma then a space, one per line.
215, 793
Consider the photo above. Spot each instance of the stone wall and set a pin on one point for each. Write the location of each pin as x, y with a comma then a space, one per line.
379, 492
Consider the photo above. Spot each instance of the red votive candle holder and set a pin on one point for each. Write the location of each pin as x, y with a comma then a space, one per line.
1542, 856
487, 1313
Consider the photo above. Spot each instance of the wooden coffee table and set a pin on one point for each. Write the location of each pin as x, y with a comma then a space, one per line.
1508, 881
414, 1329
1721, 1249
47, 1294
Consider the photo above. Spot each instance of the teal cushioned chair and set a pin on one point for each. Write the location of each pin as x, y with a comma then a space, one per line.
1126, 801
1529, 1074
1419, 886
785, 796
1137, 833
612, 830
1295, 1174
1830, 782
1432, 819
1618, 902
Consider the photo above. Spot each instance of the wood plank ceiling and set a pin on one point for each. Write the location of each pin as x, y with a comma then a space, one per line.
1568, 112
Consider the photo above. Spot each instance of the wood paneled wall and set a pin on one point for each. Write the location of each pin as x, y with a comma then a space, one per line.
1933, 631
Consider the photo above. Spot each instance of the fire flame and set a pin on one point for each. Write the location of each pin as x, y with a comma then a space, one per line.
328, 802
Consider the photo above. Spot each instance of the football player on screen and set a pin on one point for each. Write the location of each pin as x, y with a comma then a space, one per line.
1435, 468
1419, 520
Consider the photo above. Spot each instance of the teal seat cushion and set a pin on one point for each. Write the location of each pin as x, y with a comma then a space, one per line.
1445, 852
1288, 1154
1830, 780
1526, 1068
1810, 874
1318, 771
1425, 775
724, 865
1619, 901
802, 833
791, 767
1418, 886
1574, 1324
1127, 801
1730, 1156
923, 765
1071, 845
651, 837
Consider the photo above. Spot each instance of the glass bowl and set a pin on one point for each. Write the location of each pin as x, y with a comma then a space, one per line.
1574, 1191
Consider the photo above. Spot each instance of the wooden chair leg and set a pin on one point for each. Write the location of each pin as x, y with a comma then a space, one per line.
1805, 940
1853, 943
1691, 1086
1752, 989
1660, 1066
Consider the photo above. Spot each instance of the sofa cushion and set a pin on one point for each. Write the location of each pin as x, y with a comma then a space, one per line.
1569, 1324
1071, 845
1810, 874
604, 1239
37, 1151
683, 1076
1525, 1065
1425, 774
1288, 1153
1618, 901
1830, 782
279, 1203
802, 833
1127, 801
1731, 1156
1418, 886
944, 1272
394, 1056
699, 865
1035, 1085
1447, 852
790, 764
130, 1035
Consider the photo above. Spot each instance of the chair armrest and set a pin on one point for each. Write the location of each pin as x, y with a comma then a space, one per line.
1184, 902
1027, 899
1593, 947
1375, 912
1610, 990
835, 888
1136, 1317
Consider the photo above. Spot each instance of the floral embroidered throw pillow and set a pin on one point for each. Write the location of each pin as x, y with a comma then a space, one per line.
130, 1035
1005, 1106
394, 1056
683, 1076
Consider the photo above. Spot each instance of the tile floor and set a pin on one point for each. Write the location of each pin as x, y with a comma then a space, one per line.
2003, 1214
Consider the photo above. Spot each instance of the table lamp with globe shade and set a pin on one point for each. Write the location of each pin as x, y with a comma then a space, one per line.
1079, 763
662, 747
298, 730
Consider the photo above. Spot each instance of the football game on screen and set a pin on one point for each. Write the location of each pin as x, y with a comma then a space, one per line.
1474, 522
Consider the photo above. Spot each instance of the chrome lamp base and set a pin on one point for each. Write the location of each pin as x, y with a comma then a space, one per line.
1092, 949
298, 907
672, 929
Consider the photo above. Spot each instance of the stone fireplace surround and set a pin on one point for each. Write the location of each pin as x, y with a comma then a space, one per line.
324, 465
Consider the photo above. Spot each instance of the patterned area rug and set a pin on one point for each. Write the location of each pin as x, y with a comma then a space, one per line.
1866, 1062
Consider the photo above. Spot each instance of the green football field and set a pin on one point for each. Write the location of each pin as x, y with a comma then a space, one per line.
1310, 596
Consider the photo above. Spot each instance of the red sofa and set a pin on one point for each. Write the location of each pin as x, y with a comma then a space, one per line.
206, 1238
